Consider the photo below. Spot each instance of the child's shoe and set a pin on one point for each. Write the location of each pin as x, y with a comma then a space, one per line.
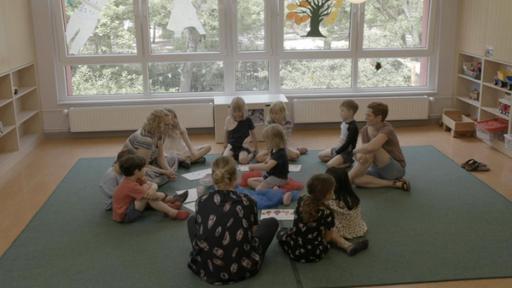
184, 164
180, 197
357, 247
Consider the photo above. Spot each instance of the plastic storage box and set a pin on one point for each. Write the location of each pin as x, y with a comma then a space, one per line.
508, 142
490, 130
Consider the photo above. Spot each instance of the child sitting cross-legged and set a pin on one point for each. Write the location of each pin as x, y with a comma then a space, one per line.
276, 164
346, 206
278, 115
133, 194
342, 154
313, 227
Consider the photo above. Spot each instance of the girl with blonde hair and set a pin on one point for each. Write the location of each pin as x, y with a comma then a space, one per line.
179, 143
148, 142
240, 140
225, 222
276, 164
278, 115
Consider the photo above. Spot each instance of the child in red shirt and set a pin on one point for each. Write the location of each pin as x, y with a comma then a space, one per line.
132, 195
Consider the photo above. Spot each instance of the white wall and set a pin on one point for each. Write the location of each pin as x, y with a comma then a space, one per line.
56, 121
16, 35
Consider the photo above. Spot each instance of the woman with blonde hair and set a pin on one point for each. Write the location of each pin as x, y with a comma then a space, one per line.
179, 143
228, 243
278, 115
148, 142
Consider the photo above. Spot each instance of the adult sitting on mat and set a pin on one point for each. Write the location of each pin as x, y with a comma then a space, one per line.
228, 244
148, 142
379, 160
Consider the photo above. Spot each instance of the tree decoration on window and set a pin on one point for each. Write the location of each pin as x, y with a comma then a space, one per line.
316, 12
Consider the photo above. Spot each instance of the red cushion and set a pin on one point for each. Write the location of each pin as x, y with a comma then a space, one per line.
247, 175
292, 185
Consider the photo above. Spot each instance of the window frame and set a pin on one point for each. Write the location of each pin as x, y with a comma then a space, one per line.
229, 55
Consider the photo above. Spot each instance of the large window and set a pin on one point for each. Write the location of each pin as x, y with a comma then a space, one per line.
144, 49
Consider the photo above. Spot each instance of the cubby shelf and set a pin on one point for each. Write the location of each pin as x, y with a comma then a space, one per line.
19, 113
490, 95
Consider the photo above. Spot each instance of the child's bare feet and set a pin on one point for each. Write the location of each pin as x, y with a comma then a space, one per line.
302, 150
287, 198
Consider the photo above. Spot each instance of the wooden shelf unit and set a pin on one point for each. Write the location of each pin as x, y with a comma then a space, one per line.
490, 95
19, 113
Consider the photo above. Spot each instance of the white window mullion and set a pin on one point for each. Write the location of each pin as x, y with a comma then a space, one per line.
142, 37
276, 39
358, 23
228, 30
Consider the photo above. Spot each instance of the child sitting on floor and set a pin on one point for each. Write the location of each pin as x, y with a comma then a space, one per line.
346, 206
178, 143
132, 196
276, 165
341, 155
113, 177
313, 226
238, 128
278, 116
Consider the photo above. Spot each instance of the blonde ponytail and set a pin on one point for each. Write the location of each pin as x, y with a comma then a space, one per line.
224, 171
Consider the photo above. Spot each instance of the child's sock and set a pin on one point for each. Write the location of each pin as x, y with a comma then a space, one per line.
180, 215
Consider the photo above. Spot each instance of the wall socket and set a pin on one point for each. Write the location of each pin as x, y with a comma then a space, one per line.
489, 52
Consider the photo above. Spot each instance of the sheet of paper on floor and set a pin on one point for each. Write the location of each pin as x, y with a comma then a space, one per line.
196, 175
190, 206
243, 168
279, 214
294, 167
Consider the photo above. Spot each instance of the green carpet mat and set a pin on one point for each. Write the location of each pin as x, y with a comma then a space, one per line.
451, 226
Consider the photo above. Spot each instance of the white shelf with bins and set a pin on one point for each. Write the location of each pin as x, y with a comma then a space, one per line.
19, 113
486, 107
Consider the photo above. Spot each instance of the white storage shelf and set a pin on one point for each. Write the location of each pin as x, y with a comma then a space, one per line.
486, 107
19, 113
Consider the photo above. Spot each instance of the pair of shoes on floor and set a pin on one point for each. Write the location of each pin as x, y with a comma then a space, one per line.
358, 246
474, 166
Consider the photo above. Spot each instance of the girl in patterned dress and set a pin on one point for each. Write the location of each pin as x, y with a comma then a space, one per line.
349, 223
278, 115
228, 243
307, 241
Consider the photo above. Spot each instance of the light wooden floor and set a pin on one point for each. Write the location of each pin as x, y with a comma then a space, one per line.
25, 189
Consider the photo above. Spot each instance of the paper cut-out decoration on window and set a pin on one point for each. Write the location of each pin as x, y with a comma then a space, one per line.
315, 12
184, 15
378, 66
82, 24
